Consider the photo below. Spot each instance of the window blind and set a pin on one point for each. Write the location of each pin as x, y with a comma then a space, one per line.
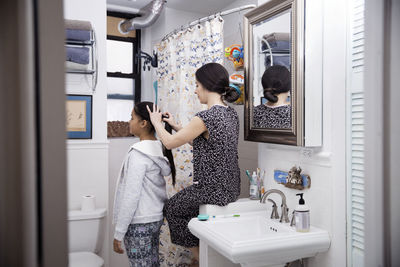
355, 133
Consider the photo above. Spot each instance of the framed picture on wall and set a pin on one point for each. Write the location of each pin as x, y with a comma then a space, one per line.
79, 116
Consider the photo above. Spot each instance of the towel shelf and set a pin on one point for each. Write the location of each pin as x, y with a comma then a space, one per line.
93, 69
81, 71
82, 43
274, 53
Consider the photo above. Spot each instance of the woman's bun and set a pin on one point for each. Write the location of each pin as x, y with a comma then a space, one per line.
269, 93
231, 94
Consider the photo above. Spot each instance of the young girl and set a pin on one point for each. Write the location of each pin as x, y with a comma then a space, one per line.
140, 193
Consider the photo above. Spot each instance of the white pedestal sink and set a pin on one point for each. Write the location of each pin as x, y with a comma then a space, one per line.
253, 239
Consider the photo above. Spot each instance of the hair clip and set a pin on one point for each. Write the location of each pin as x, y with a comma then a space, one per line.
236, 88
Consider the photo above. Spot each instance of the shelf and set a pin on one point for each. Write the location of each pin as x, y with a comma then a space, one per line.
93, 69
81, 71
83, 43
276, 52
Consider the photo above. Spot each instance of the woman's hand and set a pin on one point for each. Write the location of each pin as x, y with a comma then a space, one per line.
170, 120
155, 115
117, 246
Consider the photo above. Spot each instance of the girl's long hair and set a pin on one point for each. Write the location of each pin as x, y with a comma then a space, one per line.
141, 111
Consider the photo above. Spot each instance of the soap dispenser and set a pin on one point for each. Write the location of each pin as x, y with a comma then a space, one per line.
302, 215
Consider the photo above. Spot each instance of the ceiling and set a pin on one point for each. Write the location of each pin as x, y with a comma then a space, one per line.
196, 6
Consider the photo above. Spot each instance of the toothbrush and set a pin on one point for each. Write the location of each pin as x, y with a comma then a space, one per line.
225, 216
248, 175
262, 183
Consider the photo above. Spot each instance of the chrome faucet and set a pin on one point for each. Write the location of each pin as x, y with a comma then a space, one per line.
274, 213
284, 215
293, 221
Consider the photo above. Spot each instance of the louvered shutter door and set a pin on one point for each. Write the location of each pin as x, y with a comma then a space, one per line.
355, 133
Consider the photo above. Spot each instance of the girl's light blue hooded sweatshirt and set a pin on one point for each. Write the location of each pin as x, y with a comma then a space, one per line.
140, 193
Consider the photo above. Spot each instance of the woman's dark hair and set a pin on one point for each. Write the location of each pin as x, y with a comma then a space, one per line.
275, 80
215, 78
141, 110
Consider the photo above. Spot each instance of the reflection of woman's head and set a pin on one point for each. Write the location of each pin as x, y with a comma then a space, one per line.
215, 78
275, 80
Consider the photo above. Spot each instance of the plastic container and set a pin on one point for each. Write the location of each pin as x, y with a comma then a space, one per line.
254, 187
302, 215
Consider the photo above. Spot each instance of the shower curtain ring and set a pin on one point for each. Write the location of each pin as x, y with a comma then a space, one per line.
220, 16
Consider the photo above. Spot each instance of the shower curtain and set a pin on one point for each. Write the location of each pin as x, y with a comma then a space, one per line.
179, 57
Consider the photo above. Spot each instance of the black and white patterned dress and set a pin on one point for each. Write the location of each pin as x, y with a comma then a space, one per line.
272, 117
216, 177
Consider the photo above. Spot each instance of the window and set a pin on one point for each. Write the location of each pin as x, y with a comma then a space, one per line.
123, 75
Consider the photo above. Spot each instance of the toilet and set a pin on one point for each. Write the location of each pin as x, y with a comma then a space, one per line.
86, 236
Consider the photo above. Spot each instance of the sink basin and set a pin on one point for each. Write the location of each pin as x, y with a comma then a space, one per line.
255, 240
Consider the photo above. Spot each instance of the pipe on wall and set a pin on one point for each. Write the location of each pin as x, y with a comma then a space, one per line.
149, 15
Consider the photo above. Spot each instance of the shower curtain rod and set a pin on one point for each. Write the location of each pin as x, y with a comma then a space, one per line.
198, 21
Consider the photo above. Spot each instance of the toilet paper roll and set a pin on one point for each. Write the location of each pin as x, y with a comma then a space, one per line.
88, 203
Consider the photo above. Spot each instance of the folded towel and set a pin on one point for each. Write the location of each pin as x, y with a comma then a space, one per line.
77, 35
78, 54
75, 66
277, 36
78, 25
277, 46
283, 60
277, 41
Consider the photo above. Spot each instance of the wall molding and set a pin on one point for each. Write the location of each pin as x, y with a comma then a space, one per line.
81, 144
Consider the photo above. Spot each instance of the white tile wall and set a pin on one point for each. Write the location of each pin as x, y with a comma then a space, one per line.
326, 165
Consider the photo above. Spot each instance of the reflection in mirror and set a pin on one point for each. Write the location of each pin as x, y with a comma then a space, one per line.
275, 111
272, 79
274, 73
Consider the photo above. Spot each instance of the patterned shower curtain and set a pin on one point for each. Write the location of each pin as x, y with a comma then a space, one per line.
179, 57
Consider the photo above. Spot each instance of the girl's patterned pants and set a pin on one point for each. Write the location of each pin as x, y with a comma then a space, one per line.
141, 244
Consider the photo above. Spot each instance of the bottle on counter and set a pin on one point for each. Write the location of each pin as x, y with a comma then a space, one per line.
302, 215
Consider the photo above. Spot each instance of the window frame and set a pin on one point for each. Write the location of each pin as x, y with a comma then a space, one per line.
136, 74
121, 128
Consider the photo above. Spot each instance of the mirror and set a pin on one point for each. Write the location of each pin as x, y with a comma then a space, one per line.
274, 72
